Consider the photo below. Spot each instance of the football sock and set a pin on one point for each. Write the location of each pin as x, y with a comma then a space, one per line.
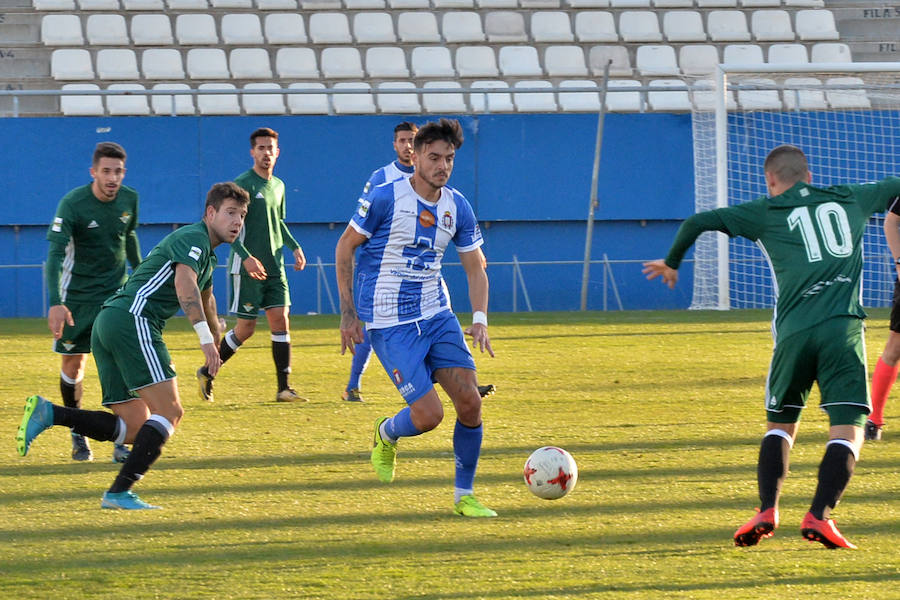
882, 380
146, 449
772, 467
227, 347
96, 424
70, 390
466, 450
281, 354
835, 471
362, 353
398, 426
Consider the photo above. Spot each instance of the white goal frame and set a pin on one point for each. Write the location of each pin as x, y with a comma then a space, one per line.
712, 274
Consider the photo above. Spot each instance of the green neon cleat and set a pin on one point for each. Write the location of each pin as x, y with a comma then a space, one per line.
384, 454
469, 506
38, 417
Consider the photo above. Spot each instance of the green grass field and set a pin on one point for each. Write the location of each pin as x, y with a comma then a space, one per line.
661, 410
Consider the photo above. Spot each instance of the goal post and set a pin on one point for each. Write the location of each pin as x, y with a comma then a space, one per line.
845, 117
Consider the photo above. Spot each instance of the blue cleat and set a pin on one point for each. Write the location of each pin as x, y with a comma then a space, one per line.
126, 500
38, 417
120, 453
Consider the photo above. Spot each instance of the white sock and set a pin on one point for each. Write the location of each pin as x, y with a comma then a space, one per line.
459, 493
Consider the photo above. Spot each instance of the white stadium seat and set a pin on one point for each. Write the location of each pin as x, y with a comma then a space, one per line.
250, 63
742, 54
162, 63
639, 26
828, 52
398, 103
493, 101
364, 4
683, 26
727, 26
796, 97
111, 5
384, 62
117, 63
242, 29
788, 54
107, 30
432, 61
656, 60
717, 3
551, 26
285, 28
698, 59
50, 5
447, 102
373, 28
616, 56
629, 3
847, 98
320, 4
665, 100
623, 101
231, 3
341, 63
762, 99
309, 103
595, 26
218, 104
771, 26
353, 103
196, 29
579, 101
207, 63
462, 27
534, 101
263, 104
519, 61
296, 63
187, 4
329, 28
453, 3
704, 97
61, 30
505, 26
673, 4
476, 61
136, 105
816, 25
565, 61
151, 30
74, 106
143, 5
276, 4
418, 27
162, 105
587, 3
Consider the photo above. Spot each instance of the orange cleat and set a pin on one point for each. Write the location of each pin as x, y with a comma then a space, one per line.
824, 532
761, 526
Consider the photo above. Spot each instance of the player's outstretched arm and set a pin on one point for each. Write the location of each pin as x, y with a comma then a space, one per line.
658, 268
473, 263
192, 304
351, 328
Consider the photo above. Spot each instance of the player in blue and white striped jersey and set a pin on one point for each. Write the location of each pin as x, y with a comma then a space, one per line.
402, 229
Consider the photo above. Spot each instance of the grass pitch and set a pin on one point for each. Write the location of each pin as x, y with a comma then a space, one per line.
661, 410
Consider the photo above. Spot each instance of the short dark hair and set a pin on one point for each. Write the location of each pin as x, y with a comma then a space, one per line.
108, 150
405, 126
262, 132
220, 192
788, 164
448, 130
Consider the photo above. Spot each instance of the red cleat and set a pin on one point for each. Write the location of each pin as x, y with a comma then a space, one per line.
759, 527
824, 532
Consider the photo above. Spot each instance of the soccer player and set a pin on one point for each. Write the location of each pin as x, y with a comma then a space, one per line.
256, 265
812, 238
92, 234
886, 368
402, 230
133, 362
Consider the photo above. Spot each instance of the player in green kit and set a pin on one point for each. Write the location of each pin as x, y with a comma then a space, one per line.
133, 362
92, 234
812, 238
256, 267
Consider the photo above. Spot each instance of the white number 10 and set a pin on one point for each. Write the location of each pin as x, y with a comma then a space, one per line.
833, 227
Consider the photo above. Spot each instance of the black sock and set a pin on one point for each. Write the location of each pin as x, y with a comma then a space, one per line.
96, 424
146, 449
71, 392
835, 471
771, 469
281, 354
225, 349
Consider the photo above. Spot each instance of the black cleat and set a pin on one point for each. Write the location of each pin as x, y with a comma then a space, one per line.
872, 431
486, 390
80, 448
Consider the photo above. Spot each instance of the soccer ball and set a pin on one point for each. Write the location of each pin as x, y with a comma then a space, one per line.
550, 473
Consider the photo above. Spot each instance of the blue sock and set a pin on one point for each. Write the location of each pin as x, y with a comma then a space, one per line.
466, 450
361, 357
400, 425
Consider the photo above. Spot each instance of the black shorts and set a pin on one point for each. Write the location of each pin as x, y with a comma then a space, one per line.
895, 308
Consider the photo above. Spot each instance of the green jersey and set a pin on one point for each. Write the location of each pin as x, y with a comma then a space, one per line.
812, 239
150, 291
264, 233
89, 241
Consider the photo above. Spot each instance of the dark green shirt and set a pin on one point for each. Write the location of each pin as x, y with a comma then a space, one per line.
264, 233
812, 239
89, 241
150, 291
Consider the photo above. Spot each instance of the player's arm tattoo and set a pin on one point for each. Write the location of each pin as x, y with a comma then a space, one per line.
188, 293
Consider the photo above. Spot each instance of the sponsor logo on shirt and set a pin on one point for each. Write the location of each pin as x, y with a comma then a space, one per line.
93, 225
363, 208
195, 252
57, 224
426, 218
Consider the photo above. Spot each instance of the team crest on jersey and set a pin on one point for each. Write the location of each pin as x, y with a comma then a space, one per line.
126, 216
426, 218
57, 224
398, 377
195, 252
363, 208
447, 220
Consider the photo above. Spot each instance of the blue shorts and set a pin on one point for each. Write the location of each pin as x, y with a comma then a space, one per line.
411, 353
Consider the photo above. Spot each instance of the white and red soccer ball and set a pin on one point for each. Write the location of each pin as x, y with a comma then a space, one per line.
550, 473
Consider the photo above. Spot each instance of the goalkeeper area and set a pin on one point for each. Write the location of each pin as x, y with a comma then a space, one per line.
845, 117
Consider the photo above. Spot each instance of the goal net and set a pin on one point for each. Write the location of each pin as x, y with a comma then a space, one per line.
845, 117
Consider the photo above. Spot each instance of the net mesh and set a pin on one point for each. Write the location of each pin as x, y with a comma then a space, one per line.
847, 123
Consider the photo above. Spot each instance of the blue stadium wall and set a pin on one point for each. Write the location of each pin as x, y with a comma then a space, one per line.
528, 178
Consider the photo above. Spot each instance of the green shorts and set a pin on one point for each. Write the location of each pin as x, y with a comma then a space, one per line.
833, 354
76, 339
130, 354
248, 296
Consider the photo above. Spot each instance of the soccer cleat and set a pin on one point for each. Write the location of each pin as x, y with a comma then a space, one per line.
38, 417
872, 431
289, 395
823, 531
384, 454
126, 500
486, 390
760, 526
205, 383
81, 450
352, 395
120, 453
469, 506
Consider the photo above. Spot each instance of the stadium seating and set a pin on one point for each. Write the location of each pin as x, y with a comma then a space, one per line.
196, 30
595, 26
639, 26
81, 105
788, 54
385, 62
162, 63
579, 101
218, 104
151, 30
761, 99
698, 59
429, 61
329, 28
565, 61
505, 27
341, 63
771, 26
846, 98
446, 102
656, 60
534, 101
624, 101
519, 61
249, 63
374, 28
616, 56
493, 101
551, 26
308, 103
127, 104
61, 30
476, 61
353, 103
285, 28
242, 29
462, 27
263, 104
816, 25
804, 99
117, 63
665, 100
727, 26
207, 63
296, 63
398, 103
163, 104
683, 26
418, 27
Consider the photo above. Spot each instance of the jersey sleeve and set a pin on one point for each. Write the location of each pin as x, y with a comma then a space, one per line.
878, 196
60, 230
191, 250
689, 231
375, 179
746, 220
373, 210
468, 234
